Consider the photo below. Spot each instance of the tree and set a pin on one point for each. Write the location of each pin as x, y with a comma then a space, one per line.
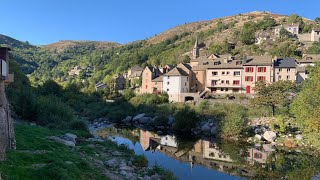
285, 49
306, 107
220, 48
284, 33
314, 49
247, 34
278, 94
317, 19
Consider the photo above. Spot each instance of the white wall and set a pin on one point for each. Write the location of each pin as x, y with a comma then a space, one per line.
168, 141
174, 86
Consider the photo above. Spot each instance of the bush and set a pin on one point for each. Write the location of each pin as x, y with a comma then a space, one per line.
235, 121
128, 94
140, 161
78, 125
161, 120
149, 99
52, 112
186, 119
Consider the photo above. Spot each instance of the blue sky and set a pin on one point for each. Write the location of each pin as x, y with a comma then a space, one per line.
46, 21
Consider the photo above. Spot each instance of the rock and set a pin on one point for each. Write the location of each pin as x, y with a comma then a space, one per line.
62, 141
299, 137
146, 177
124, 173
145, 120
116, 153
213, 130
258, 137
95, 140
171, 120
112, 163
268, 147
127, 168
270, 136
70, 137
139, 116
127, 119
205, 128
155, 177
258, 130
211, 124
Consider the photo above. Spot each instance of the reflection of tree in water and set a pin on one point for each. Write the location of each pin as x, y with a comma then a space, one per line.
185, 144
236, 151
129, 133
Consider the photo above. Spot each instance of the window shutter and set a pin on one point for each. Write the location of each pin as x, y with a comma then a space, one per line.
258, 69
265, 69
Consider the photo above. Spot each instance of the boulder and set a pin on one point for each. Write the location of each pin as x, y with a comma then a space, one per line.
112, 163
299, 137
145, 120
270, 136
139, 116
213, 130
62, 141
171, 120
70, 137
127, 119
127, 168
258, 137
205, 127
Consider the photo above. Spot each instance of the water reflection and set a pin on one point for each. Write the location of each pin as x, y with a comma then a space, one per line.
209, 159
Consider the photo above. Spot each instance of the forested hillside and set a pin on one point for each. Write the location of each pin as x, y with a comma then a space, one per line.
101, 60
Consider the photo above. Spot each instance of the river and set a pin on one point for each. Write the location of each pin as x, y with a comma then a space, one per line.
209, 159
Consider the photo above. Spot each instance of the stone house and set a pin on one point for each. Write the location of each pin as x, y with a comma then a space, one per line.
257, 68
120, 82
303, 65
7, 138
292, 28
157, 85
284, 69
315, 34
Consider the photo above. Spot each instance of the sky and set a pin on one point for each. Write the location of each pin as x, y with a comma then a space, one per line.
46, 21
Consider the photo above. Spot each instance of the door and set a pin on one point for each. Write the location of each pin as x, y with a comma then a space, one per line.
248, 89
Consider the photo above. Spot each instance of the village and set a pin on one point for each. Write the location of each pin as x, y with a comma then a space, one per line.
208, 76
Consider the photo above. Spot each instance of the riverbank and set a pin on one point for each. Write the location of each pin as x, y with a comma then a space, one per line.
39, 156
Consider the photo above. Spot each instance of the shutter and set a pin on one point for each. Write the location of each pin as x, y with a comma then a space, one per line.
259, 69
264, 78
265, 69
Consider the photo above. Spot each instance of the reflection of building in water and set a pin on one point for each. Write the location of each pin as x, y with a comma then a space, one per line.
148, 140
255, 155
168, 141
211, 151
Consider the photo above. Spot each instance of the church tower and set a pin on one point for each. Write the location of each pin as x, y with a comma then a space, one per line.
195, 52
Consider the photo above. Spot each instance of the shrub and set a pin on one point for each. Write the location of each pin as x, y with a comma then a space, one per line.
186, 119
140, 161
128, 94
52, 112
78, 125
235, 121
161, 120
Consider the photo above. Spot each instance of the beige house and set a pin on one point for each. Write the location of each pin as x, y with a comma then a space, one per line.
315, 34
284, 69
257, 68
157, 85
303, 65
200, 78
223, 76
211, 151
292, 28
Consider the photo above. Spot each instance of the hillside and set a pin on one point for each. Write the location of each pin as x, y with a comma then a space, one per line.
171, 46
11, 42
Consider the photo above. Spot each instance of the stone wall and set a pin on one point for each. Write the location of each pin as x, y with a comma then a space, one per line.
7, 139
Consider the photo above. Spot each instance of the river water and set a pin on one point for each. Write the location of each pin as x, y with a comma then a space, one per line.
204, 159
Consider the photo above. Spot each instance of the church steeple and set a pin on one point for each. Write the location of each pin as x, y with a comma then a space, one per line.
195, 52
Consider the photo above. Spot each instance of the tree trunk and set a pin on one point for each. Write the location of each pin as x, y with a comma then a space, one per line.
273, 110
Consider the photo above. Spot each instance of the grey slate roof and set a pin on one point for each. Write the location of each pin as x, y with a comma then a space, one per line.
285, 63
310, 58
158, 79
176, 72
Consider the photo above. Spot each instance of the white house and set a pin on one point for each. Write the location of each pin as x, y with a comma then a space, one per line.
168, 141
175, 83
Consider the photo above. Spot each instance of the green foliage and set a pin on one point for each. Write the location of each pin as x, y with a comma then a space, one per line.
220, 48
317, 19
284, 34
281, 123
285, 49
314, 49
278, 94
128, 94
161, 120
149, 99
234, 122
140, 161
294, 18
186, 119
52, 112
306, 106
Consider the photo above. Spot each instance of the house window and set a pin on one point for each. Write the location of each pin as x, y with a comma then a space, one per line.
168, 83
261, 78
222, 89
262, 69
238, 63
288, 70
257, 155
236, 82
307, 72
235, 90
249, 69
228, 72
146, 86
227, 89
227, 81
211, 154
248, 78
216, 63
214, 82
280, 69
222, 82
279, 78
288, 77
213, 89
215, 73
211, 145
187, 78
185, 84
223, 73
168, 77
167, 90
236, 73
